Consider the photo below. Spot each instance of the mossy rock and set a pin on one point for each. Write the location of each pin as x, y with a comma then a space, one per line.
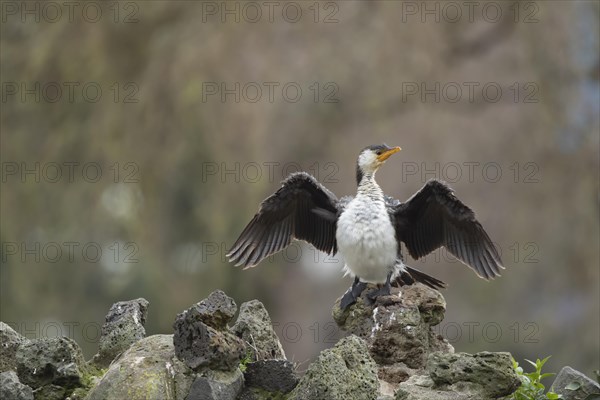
345, 371
148, 370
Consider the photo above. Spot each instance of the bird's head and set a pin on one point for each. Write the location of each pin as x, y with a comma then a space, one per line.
373, 157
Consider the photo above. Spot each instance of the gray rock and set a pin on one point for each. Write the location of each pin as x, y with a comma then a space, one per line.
412, 359
386, 391
573, 385
50, 392
271, 376
492, 371
123, 326
397, 328
10, 341
396, 373
345, 371
217, 386
148, 370
422, 387
57, 361
12, 389
216, 310
255, 327
201, 346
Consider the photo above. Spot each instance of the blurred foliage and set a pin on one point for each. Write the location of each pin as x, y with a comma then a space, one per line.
156, 195
531, 386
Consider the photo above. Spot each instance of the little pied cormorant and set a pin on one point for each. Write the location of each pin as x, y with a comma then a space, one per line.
368, 229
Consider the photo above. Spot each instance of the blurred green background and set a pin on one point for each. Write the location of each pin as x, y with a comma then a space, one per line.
131, 159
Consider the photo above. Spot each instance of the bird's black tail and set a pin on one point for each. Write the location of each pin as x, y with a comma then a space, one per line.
412, 275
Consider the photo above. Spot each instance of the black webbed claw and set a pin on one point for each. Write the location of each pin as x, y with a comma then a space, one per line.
352, 294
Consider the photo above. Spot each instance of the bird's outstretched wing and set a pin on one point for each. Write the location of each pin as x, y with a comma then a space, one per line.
302, 208
434, 217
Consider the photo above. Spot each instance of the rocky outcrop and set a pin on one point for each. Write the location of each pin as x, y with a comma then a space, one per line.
414, 362
51, 366
397, 329
392, 353
202, 339
488, 375
345, 371
273, 376
148, 370
216, 311
12, 389
213, 385
255, 328
422, 387
123, 326
10, 341
573, 385
204, 358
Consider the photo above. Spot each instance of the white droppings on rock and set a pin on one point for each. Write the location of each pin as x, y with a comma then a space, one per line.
392, 317
170, 369
376, 325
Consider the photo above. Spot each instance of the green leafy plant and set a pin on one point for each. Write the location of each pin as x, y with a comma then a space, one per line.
248, 358
531, 386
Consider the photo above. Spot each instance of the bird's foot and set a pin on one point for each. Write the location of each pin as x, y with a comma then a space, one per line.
352, 295
385, 290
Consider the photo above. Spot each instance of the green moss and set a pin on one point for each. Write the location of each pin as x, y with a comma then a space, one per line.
88, 380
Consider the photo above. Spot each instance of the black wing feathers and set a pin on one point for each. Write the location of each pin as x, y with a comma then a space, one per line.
302, 208
434, 217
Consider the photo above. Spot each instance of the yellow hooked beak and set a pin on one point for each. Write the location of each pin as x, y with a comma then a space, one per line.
386, 154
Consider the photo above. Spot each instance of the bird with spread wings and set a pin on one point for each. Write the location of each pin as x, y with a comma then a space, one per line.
368, 229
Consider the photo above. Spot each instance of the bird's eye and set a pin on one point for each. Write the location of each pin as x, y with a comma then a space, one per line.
378, 152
